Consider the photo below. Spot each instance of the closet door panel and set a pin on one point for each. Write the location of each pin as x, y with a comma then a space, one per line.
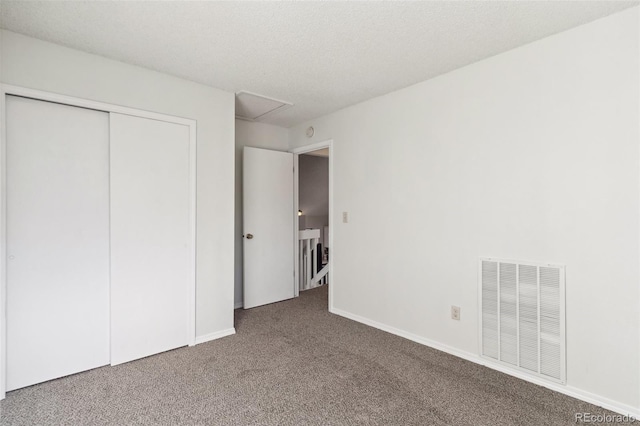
57, 240
149, 237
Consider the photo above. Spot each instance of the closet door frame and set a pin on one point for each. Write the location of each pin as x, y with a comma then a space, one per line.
6, 89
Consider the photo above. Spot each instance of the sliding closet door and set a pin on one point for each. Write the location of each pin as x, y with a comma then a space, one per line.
57, 240
150, 238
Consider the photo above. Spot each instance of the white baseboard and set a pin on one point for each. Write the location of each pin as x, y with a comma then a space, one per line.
571, 391
213, 336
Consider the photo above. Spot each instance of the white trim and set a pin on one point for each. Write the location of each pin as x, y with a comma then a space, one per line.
7, 89
301, 150
638, 177
193, 218
313, 147
238, 305
479, 308
563, 389
217, 335
296, 228
3, 244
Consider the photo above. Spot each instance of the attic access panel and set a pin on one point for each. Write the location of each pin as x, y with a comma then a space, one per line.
252, 107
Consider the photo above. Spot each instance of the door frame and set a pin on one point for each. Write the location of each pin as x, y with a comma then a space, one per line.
7, 89
296, 153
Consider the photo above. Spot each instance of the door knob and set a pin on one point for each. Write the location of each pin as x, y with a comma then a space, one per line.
249, 236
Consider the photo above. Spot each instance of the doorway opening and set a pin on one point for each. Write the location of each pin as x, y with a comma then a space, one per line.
273, 262
313, 218
313, 194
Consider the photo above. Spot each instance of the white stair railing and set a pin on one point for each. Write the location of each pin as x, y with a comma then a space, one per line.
308, 259
320, 275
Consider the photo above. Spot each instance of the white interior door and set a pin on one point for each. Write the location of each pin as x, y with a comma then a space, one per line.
150, 237
268, 222
57, 240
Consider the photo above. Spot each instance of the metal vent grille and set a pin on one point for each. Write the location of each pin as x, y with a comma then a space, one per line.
522, 322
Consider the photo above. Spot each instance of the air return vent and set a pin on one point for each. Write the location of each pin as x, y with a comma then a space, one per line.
522, 322
253, 107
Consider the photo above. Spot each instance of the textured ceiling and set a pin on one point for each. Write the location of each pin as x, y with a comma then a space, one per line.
322, 56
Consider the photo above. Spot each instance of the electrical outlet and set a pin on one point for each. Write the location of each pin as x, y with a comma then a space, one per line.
345, 217
455, 313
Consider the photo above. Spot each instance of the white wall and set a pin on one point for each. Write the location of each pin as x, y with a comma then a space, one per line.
257, 135
40, 65
531, 154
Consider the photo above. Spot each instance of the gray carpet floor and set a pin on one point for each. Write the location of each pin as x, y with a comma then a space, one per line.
293, 363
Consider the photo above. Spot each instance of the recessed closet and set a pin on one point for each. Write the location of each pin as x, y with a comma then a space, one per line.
99, 238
